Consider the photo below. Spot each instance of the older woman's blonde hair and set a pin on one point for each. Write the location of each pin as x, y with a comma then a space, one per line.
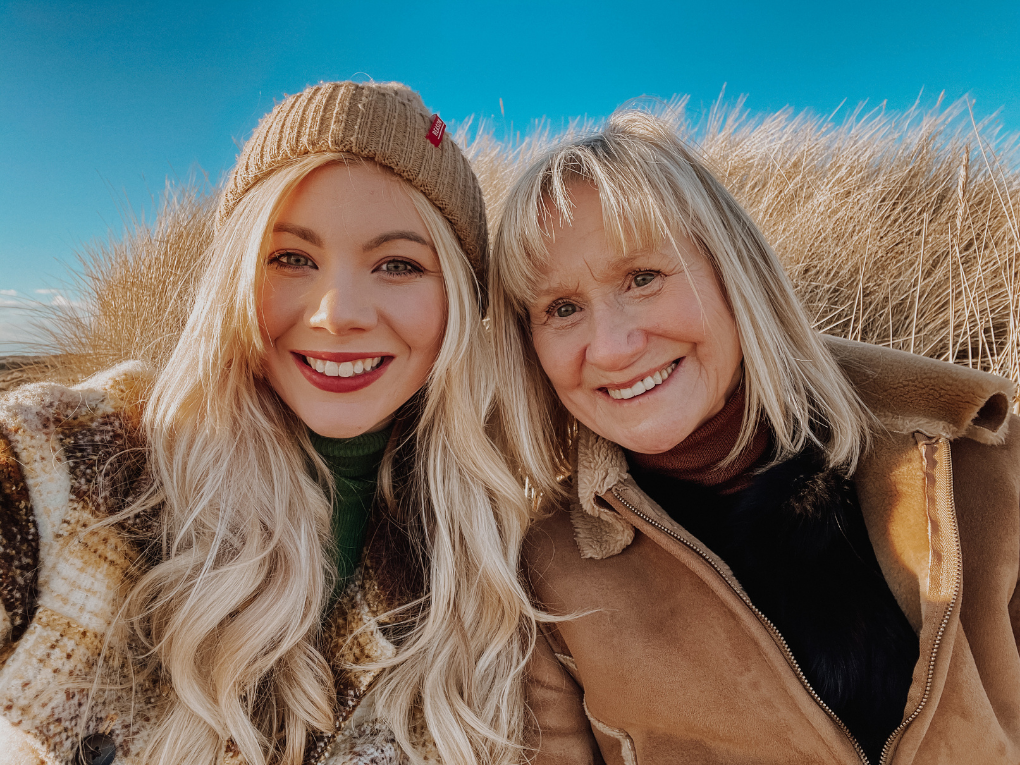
653, 191
230, 615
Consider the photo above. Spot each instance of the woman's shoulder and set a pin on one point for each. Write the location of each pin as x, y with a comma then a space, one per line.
569, 530
908, 392
57, 441
41, 405
70, 456
45, 424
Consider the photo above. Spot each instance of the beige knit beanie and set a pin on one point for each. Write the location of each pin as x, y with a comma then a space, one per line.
382, 121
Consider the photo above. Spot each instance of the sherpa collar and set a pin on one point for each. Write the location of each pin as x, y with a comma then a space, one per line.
906, 392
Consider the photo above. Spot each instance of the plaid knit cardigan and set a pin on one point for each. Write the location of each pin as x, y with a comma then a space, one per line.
70, 457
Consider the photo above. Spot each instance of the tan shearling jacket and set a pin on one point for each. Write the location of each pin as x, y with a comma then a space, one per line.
669, 662
62, 578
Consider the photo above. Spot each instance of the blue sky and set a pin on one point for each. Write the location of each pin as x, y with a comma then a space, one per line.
100, 102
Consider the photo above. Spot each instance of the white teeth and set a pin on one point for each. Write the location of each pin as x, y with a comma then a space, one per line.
345, 368
642, 386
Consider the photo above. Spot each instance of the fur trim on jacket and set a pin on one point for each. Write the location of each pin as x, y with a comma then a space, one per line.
69, 458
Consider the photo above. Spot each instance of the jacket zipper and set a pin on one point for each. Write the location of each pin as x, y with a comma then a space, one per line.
776, 634
948, 499
761, 617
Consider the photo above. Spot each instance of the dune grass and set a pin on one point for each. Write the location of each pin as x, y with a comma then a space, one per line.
899, 229
135, 292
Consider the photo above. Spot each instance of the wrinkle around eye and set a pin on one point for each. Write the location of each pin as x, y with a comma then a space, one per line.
546, 317
649, 290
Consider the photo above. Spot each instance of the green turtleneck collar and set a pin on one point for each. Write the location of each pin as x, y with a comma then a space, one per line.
353, 457
354, 463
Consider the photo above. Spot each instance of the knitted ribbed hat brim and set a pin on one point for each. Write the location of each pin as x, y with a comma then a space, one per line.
386, 122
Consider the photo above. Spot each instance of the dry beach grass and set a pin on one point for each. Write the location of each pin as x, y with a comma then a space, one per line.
897, 229
900, 231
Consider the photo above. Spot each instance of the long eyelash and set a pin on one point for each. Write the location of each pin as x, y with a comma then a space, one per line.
413, 268
275, 260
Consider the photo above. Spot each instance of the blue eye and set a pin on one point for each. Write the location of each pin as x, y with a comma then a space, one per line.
292, 260
644, 279
399, 267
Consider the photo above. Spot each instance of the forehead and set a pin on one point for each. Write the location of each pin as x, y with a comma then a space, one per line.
355, 196
579, 245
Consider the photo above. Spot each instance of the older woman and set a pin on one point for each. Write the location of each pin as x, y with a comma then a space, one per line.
762, 553
295, 543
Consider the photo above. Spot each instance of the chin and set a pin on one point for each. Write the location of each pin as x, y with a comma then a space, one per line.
336, 426
339, 431
645, 443
648, 448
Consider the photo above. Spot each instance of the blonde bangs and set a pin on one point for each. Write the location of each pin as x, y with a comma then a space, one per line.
522, 239
643, 206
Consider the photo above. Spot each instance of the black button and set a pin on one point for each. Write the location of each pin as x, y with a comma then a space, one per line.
97, 749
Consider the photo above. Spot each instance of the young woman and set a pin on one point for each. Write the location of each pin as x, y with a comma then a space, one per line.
773, 547
296, 543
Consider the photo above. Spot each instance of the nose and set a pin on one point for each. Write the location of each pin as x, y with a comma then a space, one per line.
615, 340
344, 307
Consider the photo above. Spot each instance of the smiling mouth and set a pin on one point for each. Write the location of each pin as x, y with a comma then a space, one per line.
343, 368
643, 386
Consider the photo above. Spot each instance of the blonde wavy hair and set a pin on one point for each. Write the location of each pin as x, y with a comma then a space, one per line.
653, 191
230, 614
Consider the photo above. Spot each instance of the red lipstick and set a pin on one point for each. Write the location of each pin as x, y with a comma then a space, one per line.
340, 384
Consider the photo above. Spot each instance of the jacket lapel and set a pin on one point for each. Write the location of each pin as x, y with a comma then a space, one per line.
905, 490
599, 530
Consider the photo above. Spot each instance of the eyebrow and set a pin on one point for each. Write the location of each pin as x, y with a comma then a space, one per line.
300, 232
547, 292
619, 262
392, 236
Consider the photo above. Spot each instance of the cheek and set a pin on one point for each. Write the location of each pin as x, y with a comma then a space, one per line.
279, 309
555, 355
422, 318
721, 331
679, 313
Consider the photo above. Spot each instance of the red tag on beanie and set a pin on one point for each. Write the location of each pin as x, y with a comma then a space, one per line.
435, 135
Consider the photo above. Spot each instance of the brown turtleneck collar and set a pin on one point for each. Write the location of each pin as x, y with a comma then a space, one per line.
697, 457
